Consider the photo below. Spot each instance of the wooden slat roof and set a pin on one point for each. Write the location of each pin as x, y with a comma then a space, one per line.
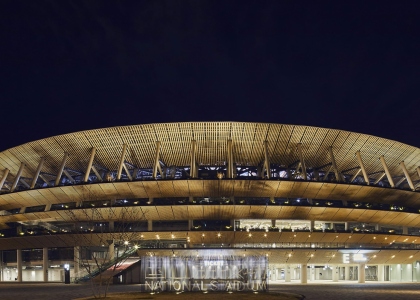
211, 140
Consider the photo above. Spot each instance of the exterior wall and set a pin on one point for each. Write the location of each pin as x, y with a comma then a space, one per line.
401, 272
54, 275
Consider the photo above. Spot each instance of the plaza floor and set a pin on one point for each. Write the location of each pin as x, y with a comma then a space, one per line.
311, 291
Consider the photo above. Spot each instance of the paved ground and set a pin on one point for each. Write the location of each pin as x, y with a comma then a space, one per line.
324, 291
351, 291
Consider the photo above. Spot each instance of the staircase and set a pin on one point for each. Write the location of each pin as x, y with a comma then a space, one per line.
107, 270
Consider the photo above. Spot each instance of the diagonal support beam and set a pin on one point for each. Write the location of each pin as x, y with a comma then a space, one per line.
229, 159
38, 170
388, 174
362, 167
24, 183
380, 178
337, 173
45, 179
296, 172
3, 179
407, 176
89, 167
68, 175
97, 173
355, 175
302, 161
127, 172
400, 181
16, 180
193, 165
156, 165
326, 173
266, 165
120, 166
418, 173
60, 171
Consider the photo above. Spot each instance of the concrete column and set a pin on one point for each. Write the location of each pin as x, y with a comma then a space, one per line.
377, 227
361, 273
381, 273
303, 273
311, 225
19, 264
287, 275
149, 225
76, 260
346, 226
111, 226
111, 251
312, 274
335, 271
1, 266
405, 230
190, 224
45, 264
47, 207
277, 274
346, 273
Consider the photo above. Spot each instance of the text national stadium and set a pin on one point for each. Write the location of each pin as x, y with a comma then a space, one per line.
199, 206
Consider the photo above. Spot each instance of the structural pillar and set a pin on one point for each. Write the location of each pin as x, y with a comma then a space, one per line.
111, 226
361, 273
303, 273
335, 273
346, 273
111, 251
311, 225
76, 260
405, 230
1, 266
19, 264
149, 225
45, 264
346, 226
287, 275
381, 273
312, 273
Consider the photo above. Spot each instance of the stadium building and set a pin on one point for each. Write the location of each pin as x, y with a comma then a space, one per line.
213, 204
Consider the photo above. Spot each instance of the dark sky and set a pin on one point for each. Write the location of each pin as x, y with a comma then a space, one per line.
67, 66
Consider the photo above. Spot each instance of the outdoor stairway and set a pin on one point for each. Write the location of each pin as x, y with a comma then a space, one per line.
107, 269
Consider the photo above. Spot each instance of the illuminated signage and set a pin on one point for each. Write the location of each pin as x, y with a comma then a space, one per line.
357, 257
346, 258
209, 273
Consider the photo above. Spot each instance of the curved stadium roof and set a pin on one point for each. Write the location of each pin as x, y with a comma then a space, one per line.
154, 161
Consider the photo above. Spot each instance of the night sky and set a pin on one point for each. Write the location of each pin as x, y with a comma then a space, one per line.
67, 66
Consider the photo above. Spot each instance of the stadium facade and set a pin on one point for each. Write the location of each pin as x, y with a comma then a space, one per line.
215, 201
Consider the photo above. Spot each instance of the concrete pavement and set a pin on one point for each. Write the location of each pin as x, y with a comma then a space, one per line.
311, 291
